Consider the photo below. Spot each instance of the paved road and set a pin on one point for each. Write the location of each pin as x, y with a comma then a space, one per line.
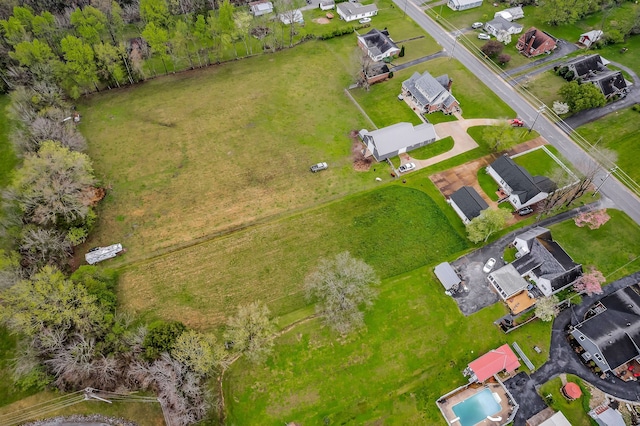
622, 197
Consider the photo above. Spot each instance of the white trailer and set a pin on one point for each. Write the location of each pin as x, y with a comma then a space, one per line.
98, 254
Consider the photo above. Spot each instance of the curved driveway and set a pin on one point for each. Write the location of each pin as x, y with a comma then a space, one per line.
621, 195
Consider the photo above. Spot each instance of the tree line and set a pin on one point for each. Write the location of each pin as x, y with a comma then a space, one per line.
101, 44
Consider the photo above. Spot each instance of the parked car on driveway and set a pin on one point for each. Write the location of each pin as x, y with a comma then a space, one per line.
483, 36
365, 20
525, 211
406, 167
477, 25
320, 166
489, 265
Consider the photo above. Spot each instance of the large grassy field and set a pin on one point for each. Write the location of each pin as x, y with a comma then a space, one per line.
618, 131
195, 154
413, 351
395, 229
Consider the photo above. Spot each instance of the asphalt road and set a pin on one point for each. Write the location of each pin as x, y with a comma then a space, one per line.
621, 196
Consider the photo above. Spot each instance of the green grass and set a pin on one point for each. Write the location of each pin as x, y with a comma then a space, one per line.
488, 184
414, 350
381, 103
477, 133
8, 392
439, 117
614, 248
545, 86
8, 158
618, 131
394, 229
438, 147
142, 413
574, 410
538, 162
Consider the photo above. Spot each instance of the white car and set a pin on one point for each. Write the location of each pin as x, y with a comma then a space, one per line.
365, 20
318, 167
477, 25
406, 167
483, 36
489, 265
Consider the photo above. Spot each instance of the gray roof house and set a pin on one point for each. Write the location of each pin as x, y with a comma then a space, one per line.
592, 69
611, 336
541, 259
522, 188
590, 37
430, 94
463, 4
467, 203
397, 139
327, 4
291, 16
378, 45
500, 24
351, 11
607, 416
507, 281
511, 13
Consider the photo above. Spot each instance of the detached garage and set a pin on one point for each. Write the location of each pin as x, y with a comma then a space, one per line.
448, 276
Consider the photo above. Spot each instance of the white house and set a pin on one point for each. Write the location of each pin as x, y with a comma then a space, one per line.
397, 139
511, 14
353, 11
467, 203
327, 4
378, 45
588, 38
522, 188
463, 4
259, 8
291, 16
499, 24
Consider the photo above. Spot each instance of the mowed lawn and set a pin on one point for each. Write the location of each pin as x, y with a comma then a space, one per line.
395, 229
618, 131
614, 248
191, 155
413, 351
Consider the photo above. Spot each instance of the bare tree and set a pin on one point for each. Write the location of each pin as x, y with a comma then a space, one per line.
251, 332
40, 247
604, 158
342, 286
363, 67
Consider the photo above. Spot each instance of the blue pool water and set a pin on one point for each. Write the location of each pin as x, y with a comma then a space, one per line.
476, 408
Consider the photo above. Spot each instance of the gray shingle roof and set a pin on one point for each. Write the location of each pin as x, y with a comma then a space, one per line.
616, 331
610, 82
469, 201
350, 9
523, 185
585, 64
378, 42
392, 138
502, 24
426, 89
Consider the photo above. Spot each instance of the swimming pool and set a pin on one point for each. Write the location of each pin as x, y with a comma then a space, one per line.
476, 408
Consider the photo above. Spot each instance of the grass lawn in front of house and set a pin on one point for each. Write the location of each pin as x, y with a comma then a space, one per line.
142, 413
488, 184
440, 117
436, 148
545, 86
539, 163
474, 43
413, 351
575, 411
614, 248
619, 132
477, 133
394, 229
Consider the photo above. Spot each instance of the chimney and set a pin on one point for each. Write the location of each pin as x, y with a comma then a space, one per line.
449, 85
531, 40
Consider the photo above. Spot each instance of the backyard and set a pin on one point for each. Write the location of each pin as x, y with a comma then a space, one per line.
575, 411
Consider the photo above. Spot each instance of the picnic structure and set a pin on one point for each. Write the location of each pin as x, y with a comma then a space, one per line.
98, 254
492, 363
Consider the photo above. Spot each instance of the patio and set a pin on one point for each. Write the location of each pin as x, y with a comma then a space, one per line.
447, 402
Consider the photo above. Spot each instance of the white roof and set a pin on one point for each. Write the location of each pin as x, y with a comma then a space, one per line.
509, 281
558, 419
351, 9
99, 254
447, 275
400, 135
264, 6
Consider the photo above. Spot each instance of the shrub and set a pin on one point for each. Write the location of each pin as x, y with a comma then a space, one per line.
161, 337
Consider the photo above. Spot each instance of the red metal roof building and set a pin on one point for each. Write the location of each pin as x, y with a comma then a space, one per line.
492, 363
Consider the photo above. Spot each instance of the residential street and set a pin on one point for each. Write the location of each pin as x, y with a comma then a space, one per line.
622, 197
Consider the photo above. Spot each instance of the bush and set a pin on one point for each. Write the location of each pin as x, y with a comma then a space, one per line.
636, 107
100, 283
161, 337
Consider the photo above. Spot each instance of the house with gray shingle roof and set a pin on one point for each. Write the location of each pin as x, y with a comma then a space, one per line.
463, 4
522, 188
430, 94
592, 69
542, 260
351, 11
467, 203
378, 45
499, 25
397, 139
611, 335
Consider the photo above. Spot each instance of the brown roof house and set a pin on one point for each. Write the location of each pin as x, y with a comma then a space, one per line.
535, 42
430, 94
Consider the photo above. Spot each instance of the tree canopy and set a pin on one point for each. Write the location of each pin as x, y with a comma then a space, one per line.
485, 225
581, 96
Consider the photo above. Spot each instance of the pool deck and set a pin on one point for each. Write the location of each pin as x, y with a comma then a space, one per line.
447, 402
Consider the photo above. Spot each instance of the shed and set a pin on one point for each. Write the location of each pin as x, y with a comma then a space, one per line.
447, 276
